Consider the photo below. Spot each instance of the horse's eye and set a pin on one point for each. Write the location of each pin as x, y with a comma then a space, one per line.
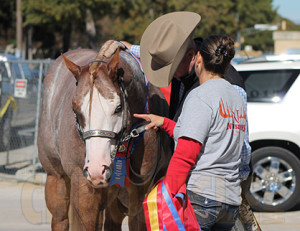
118, 109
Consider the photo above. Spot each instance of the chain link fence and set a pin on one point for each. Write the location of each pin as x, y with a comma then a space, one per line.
21, 86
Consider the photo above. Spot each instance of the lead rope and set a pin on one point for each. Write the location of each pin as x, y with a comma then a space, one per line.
152, 173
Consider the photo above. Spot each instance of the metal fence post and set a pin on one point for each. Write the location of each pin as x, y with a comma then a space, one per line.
21, 84
38, 106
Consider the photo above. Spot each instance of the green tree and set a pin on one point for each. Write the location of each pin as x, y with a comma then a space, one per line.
64, 18
218, 17
253, 12
7, 18
88, 23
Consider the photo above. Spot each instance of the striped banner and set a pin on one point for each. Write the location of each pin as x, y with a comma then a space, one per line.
164, 213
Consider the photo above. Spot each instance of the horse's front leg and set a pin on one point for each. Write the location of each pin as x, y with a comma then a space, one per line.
57, 193
136, 218
115, 210
88, 203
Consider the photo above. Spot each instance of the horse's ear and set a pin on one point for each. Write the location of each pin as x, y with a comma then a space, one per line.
113, 64
75, 69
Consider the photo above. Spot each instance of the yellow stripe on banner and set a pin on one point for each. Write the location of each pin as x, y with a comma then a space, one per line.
152, 209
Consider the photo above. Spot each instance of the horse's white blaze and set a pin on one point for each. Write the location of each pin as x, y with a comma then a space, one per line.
103, 117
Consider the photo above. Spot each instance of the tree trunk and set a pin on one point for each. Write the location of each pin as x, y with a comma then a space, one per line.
67, 37
90, 29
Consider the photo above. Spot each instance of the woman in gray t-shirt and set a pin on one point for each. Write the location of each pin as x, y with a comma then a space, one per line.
208, 138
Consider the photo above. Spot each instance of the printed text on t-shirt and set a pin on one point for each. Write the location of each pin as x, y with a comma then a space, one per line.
227, 112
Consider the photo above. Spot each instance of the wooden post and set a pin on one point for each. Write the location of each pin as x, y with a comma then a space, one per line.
19, 29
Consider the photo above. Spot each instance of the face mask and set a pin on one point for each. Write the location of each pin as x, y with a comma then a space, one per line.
189, 77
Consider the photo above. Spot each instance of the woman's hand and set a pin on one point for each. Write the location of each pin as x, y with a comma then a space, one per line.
155, 120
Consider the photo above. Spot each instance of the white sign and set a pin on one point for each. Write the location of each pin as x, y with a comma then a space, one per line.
266, 27
21, 88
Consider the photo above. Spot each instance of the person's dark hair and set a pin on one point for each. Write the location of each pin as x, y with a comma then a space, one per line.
217, 52
198, 42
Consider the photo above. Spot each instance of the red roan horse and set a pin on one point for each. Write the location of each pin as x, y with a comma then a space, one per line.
87, 111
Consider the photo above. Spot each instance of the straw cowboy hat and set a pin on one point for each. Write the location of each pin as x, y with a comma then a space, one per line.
164, 44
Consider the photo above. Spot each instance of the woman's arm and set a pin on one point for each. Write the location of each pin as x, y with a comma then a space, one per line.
158, 121
183, 159
168, 126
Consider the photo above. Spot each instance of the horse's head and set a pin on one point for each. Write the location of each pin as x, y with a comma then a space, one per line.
99, 111
98, 107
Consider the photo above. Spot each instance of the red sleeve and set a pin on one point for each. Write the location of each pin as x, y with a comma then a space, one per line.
183, 159
167, 92
168, 126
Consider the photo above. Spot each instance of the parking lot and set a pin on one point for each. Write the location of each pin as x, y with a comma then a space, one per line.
23, 208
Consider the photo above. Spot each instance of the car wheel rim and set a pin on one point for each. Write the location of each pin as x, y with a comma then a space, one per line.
273, 182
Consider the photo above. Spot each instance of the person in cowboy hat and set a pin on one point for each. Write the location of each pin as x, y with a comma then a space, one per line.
182, 71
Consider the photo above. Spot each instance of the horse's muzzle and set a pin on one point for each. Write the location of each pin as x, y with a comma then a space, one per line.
98, 184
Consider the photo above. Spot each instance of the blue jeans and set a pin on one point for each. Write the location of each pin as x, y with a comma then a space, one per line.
213, 215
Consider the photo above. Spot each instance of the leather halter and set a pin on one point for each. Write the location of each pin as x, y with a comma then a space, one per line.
110, 134
119, 137
99, 133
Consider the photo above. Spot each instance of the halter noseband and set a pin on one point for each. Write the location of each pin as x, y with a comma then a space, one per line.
99, 133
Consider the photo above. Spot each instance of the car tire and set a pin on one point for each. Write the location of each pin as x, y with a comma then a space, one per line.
276, 180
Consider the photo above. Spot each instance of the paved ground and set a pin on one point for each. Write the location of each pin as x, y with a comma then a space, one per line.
22, 207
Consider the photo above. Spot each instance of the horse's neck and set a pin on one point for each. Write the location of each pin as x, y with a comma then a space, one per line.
137, 89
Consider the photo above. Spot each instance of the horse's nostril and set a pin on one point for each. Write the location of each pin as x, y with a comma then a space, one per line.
85, 173
108, 174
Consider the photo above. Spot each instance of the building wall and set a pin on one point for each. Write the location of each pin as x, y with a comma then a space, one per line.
286, 42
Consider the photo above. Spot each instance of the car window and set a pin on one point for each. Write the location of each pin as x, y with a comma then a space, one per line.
269, 85
20, 71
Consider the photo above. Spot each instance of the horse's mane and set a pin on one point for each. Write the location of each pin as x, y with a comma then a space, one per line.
128, 58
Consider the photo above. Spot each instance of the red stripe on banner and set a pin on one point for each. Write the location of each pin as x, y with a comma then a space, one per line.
146, 212
168, 219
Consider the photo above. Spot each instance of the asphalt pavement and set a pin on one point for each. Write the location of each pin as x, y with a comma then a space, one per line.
22, 207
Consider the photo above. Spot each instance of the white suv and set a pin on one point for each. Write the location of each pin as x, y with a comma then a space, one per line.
273, 91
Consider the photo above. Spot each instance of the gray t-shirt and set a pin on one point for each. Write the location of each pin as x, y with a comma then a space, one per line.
214, 114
